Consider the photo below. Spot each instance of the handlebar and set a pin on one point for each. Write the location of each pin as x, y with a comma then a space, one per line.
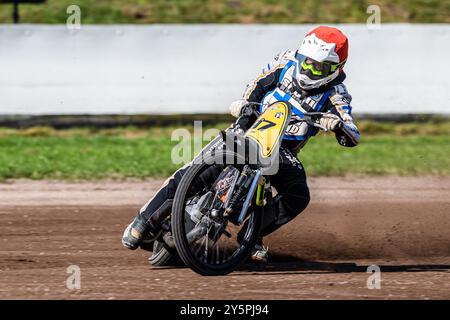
311, 118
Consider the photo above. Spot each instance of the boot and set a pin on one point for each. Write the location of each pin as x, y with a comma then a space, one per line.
139, 233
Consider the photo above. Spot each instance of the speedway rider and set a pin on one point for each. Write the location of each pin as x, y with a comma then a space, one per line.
311, 79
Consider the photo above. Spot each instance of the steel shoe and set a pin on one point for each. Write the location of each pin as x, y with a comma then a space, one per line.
260, 253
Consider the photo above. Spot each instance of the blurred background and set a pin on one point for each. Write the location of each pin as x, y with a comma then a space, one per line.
231, 11
94, 89
91, 92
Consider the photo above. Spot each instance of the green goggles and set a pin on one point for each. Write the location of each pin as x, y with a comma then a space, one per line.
317, 68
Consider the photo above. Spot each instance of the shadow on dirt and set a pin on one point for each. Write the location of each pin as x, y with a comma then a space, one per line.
285, 263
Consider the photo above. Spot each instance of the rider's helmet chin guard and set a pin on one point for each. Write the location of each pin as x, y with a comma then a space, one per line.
321, 57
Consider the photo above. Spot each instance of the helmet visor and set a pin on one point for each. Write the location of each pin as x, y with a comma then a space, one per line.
315, 69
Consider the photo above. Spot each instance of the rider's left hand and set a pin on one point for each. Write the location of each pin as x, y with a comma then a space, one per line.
236, 128
331, 122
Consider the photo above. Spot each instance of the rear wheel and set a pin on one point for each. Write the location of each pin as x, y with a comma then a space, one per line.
160, 255
208, 244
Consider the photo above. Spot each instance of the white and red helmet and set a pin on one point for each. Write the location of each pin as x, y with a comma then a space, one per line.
321, 57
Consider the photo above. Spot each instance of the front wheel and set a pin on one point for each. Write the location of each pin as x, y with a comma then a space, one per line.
208, 244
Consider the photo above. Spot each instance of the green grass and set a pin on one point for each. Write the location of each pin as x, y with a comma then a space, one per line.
44, 153
379, 155
84, 157
232, 11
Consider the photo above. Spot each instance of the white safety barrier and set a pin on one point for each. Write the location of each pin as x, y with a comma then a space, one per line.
163, 69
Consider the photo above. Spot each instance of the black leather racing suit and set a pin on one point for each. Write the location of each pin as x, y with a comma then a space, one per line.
276, 82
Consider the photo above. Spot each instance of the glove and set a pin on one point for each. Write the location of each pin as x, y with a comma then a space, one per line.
330, 122
236, 107
236, 129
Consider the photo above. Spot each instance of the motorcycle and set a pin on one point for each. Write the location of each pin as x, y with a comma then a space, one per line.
219, 203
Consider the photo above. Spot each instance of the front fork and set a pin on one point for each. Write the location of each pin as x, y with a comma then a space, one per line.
258, 185
260, 191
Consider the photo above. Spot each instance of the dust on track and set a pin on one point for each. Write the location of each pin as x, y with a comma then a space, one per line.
399, 224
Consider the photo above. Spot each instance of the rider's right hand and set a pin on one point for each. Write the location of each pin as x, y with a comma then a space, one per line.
236, 107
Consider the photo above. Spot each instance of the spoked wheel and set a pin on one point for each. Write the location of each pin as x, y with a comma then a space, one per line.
207, 243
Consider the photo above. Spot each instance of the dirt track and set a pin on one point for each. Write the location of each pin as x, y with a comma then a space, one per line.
400, 224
